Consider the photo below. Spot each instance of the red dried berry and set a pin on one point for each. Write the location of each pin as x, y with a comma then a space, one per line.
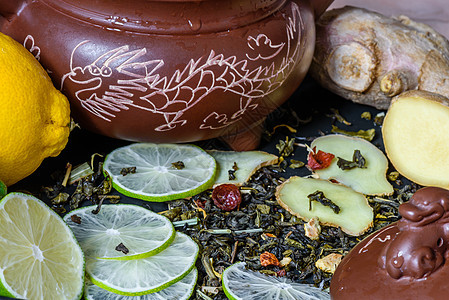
227, 196
319, 160
281, 273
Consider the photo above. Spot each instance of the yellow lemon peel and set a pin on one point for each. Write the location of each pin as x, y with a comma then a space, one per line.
34, 115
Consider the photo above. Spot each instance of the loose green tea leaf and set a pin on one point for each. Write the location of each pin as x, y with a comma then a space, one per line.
337, 116
179, 165
364, 134
296, 164
319, 197
128, 170
358, 161
286, 148
366, 115
231, 174
122, 248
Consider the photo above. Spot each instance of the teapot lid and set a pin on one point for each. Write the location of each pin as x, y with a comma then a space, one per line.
168, 16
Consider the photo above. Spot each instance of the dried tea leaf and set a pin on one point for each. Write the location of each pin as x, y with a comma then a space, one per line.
358, 161
296, 164
366, 115
122, 248
370, 180
179, 165
364, 134
243, 164
337, 116
286, 148
128, 170
319, 196
355, 217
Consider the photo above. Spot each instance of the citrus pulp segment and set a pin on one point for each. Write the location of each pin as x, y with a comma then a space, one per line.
140, 230
242, 284
162, 172
39, 255
181, 290
146, 275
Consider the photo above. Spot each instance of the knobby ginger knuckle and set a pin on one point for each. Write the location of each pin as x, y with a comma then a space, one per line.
369, 58
416, 137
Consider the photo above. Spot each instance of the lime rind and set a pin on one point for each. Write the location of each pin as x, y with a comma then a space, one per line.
5, 289
143, 232
147, 275
242, 284
3, 189
181, 290
155, 178
53, 240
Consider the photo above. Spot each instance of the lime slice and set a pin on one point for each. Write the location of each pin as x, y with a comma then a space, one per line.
39, 255
240, 283
147, 275
181, 290
142, 232
155, 177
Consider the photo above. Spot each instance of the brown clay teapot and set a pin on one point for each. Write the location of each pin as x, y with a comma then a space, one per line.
170, 70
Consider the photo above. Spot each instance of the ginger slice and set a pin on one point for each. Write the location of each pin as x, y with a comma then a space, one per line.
370, 180
416, 137
355, 215
241, 164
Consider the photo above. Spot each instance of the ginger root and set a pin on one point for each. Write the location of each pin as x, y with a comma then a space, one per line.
369, 58
416, 137
355, 215
369, 180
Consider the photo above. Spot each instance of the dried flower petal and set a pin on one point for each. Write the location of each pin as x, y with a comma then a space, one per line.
319, 160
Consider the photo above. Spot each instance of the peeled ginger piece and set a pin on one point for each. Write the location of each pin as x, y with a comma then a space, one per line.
246, 164
371, 180
416, 137
355, 215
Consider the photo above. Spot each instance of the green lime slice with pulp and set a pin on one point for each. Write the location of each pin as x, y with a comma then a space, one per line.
146, 275
139, 231
39, 255
181, 290
160, 172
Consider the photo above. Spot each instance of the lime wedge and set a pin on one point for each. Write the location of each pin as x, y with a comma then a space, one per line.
146, 275
181, 290
240, 283
142, 232
160, 172
39, 255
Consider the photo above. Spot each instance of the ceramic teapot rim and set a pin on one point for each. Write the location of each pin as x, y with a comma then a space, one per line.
182, 17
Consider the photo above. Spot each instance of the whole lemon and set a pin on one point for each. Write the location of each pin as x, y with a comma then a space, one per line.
34, 115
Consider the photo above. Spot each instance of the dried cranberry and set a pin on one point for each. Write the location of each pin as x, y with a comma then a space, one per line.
319, 160
227, 196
